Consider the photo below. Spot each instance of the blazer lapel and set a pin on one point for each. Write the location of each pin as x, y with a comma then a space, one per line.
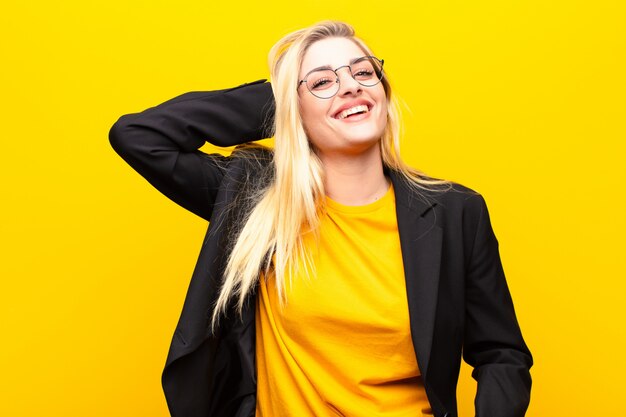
420, 239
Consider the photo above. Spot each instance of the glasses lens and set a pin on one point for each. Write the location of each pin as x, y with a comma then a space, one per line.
368, 71
322, 83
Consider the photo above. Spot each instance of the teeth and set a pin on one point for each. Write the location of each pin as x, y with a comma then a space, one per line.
352, 110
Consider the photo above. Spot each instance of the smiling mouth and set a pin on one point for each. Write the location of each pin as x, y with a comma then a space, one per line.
352, 111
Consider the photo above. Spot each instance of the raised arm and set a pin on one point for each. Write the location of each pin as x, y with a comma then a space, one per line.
162, 143
493, 341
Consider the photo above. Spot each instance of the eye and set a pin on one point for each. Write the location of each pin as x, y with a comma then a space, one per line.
320, 83
363, 74
321, 80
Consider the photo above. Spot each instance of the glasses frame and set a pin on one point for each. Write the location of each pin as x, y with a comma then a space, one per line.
349, 66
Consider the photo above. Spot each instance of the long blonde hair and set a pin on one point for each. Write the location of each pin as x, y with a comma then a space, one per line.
271, 238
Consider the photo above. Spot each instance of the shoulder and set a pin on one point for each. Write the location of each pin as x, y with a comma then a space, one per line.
461, 202
450, 205
458, 196
448, 196
461, 213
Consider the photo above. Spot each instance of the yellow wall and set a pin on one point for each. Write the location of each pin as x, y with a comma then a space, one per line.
521, 100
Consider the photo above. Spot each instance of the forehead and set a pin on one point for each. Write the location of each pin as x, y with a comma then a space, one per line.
333, 52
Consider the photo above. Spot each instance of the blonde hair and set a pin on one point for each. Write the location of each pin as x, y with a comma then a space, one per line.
271, 238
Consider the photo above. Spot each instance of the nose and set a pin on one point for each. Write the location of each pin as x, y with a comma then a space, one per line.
347, 83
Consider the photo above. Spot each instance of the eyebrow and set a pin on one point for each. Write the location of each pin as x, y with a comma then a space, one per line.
328, 67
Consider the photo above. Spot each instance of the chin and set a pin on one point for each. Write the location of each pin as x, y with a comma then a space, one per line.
360, 144
364, 135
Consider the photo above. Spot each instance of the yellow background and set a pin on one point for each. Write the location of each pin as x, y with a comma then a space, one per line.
523, 101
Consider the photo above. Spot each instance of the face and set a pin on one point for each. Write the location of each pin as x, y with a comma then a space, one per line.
352, 121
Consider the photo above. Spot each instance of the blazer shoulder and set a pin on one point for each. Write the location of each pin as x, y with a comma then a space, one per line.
446, 198
457, 204
453, 195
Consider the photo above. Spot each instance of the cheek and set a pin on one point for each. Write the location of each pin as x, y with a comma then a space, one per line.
382, 116
313, 115
382, 100
315, 131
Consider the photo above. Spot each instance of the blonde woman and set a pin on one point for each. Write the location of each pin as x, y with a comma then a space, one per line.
334, 280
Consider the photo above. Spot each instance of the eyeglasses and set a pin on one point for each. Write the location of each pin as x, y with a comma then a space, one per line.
324, 83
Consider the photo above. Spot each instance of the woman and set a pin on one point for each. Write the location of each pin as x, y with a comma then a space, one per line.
334, 280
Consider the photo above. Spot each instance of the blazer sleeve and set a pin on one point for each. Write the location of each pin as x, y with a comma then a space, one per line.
162, 143
493, 343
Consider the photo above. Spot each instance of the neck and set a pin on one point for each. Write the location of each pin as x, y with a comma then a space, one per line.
355, 180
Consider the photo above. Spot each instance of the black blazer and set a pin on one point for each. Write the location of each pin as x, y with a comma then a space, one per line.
459, 303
